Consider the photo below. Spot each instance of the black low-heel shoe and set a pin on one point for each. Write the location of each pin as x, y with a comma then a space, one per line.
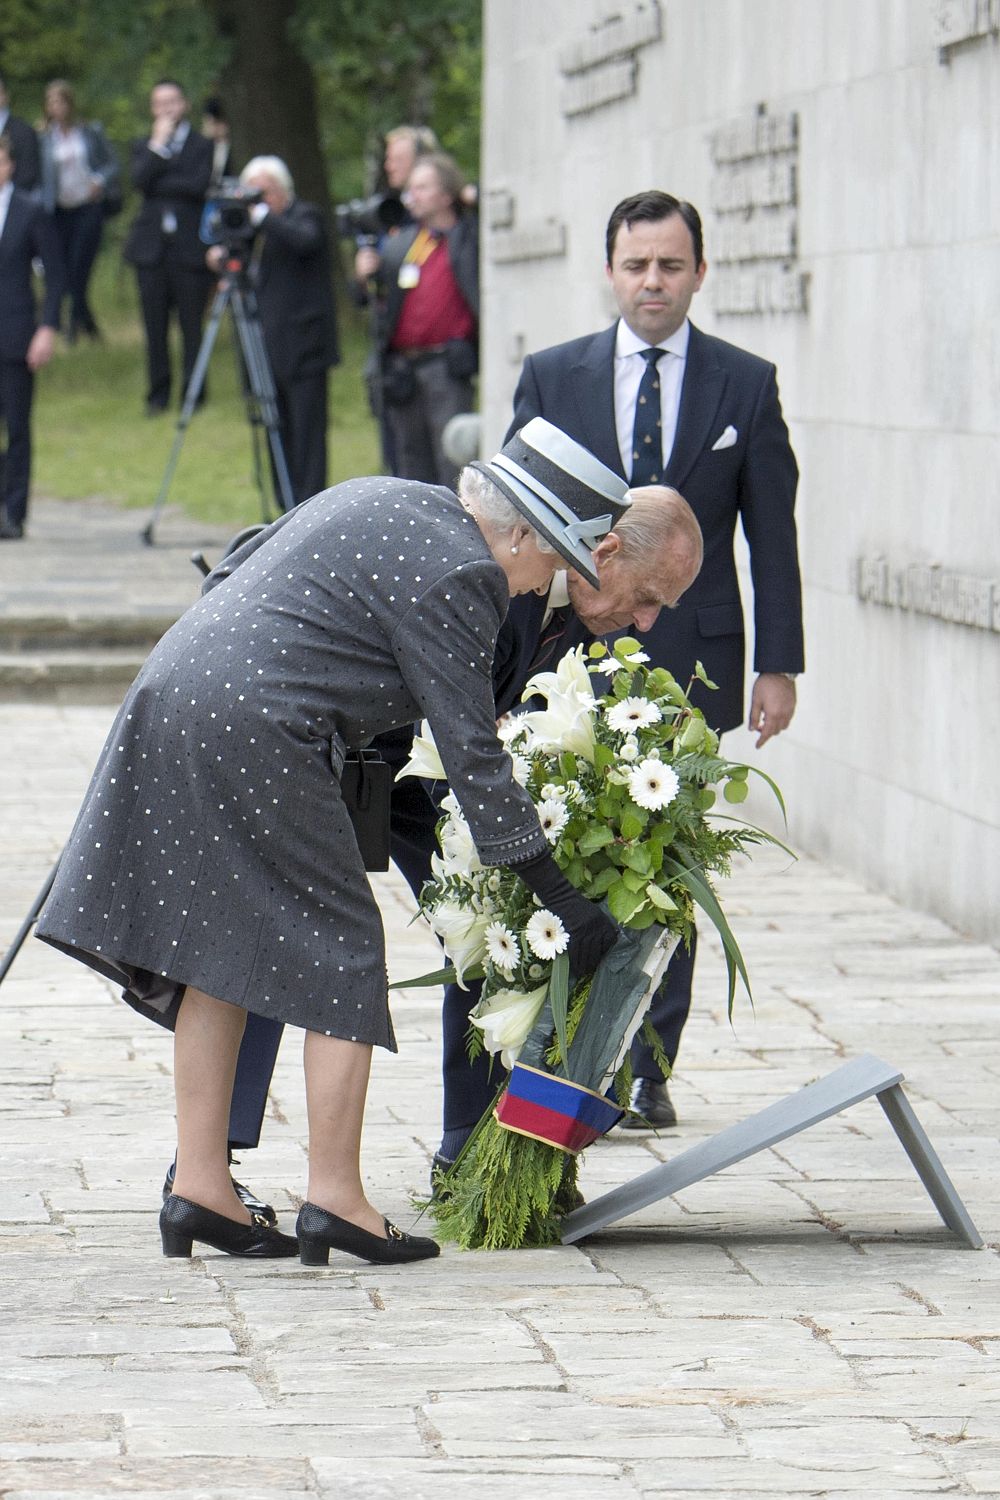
320, 1232
182, 1221
246, 1196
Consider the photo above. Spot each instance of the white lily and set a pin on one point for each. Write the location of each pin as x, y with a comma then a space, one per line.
567, 724
458, 847
567, 721
463, 935
570, 676
506, 1019
424, 759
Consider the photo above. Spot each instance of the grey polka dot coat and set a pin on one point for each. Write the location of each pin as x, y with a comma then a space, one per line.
213, 847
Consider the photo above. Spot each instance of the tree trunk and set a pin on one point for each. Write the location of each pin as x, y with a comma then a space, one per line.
269, 93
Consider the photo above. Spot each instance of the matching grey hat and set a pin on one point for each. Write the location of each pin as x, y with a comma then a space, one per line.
566, 493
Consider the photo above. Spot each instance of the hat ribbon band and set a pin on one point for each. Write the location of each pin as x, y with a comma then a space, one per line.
530, 482
594, 530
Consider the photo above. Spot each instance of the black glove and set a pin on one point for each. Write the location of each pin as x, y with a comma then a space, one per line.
591, 932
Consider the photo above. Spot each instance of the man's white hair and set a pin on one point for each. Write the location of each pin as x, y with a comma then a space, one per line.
269, 166
658, 517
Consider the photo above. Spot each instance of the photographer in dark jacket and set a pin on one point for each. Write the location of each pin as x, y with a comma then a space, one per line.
290, 271
428, 288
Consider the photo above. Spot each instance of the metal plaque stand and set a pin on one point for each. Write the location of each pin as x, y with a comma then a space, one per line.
855, 1080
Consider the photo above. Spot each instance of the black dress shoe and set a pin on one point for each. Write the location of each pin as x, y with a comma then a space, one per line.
182, 1221
244, 1194
650, 1105
320, 1232
11, 531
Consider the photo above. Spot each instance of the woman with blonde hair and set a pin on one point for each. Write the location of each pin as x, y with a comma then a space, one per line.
80, 188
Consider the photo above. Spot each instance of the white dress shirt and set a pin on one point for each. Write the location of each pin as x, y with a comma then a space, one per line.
629, 370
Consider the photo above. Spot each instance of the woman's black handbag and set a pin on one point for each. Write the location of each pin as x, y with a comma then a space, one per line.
366, 787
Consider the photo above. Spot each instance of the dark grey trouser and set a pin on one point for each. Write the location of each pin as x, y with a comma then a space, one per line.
416, 428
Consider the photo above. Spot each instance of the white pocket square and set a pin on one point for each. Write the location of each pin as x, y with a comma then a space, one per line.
727, 439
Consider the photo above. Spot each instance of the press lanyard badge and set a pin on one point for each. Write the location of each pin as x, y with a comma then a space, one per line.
409, 275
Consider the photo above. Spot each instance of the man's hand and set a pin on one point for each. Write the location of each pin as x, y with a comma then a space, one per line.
162, 129
366, 263
772, 705
41, 348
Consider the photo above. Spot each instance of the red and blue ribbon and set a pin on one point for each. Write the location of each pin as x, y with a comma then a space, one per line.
555, 1110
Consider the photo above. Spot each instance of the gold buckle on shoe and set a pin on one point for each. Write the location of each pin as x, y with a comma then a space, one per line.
393, 1232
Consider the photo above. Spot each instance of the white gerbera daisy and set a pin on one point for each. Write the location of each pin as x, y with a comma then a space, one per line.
545, 934
609, 666
636, 659
632, 714
629, 749
511, 729
652, 784
553, 816
522, 768
502, 947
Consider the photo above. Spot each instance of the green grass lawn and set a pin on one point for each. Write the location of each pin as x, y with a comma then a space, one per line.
93, 439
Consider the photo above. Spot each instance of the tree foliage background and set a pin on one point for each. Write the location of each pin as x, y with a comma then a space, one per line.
315, 81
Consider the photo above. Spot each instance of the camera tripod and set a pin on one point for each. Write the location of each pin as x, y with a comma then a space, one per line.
235, 292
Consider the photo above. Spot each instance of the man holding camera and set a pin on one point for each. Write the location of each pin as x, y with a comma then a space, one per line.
427, 284
171, 169
289, 268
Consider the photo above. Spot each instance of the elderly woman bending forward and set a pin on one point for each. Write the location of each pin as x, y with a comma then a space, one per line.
213, 869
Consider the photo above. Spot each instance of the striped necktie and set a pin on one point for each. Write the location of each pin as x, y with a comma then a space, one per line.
647, 433
547, 651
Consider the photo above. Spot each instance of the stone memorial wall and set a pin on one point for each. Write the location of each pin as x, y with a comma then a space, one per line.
846, 160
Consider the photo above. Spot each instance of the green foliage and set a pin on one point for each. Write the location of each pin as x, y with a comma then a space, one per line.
654, 1042
382, 64
111, 51
375, 66
511, 1190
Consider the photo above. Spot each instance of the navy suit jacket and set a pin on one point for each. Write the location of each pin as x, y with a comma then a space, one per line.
24, 148
28, 235
754, 480
174, 184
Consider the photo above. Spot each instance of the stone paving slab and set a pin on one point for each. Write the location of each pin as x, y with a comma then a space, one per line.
800, 1325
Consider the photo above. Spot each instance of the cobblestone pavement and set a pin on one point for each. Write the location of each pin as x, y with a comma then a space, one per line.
801, 1325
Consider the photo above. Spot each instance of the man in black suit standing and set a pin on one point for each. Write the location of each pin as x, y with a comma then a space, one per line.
662, 403
171, 169
290, 269
23, 145
26, 235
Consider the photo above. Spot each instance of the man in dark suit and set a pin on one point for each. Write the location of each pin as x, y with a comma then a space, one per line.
660, 402
171, 169
23, 144
292, 275
26, 235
